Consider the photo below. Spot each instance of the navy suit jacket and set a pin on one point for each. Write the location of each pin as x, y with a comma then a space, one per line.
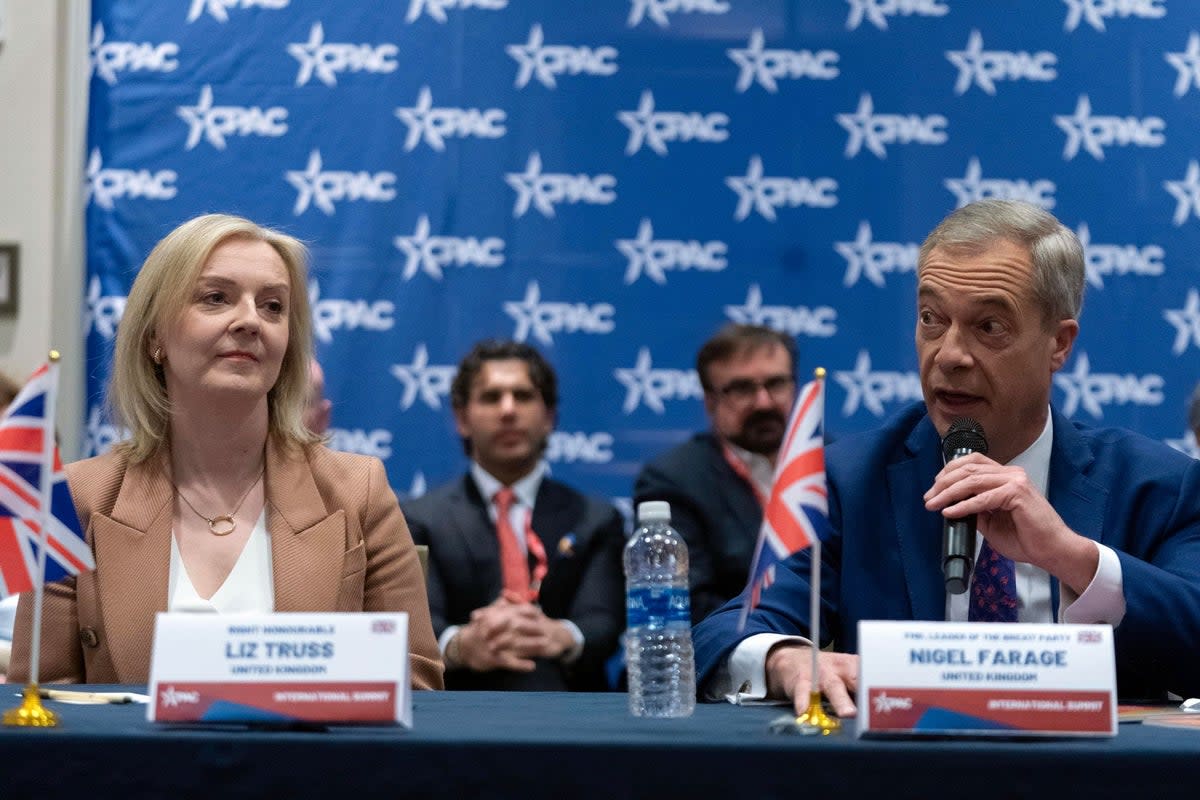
584, 581
882, 561
714, 510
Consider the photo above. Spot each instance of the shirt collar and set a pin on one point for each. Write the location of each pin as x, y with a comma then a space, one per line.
525, 489
760, 467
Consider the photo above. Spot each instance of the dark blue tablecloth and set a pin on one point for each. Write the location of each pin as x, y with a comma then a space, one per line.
554, 745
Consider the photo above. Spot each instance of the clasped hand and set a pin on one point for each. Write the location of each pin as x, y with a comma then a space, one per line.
509, 634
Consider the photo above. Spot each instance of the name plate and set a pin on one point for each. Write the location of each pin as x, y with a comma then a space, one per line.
281, 668
986, 679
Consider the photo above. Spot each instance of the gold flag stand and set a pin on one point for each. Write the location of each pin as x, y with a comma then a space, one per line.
814, 720
31, 713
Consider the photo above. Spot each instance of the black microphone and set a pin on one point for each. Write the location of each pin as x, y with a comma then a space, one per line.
958, 535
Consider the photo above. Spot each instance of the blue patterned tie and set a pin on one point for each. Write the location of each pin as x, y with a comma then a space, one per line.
993, 588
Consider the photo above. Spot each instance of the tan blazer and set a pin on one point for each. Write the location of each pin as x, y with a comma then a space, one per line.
339, 542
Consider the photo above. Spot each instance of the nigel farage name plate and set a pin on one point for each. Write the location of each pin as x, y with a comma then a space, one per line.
281, 668
986, 679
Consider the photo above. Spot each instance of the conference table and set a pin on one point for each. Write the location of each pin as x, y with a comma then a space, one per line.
561, 745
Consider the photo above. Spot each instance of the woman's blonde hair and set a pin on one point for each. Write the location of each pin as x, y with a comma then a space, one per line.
137, 394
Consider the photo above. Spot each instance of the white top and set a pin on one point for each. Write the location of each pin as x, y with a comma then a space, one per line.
248, 589
742, 679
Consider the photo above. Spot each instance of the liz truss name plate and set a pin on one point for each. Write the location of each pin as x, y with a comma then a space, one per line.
986, 679
281, 669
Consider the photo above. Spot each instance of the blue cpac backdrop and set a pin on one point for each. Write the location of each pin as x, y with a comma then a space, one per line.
612, 180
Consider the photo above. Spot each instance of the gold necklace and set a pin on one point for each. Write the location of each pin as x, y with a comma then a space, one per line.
222, 520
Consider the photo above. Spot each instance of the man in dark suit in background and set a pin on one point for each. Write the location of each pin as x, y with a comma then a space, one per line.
717, 482
525, 580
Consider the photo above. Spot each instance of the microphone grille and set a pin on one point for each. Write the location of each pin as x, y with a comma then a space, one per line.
964, 434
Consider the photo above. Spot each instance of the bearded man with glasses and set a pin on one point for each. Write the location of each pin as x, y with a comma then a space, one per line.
718, 481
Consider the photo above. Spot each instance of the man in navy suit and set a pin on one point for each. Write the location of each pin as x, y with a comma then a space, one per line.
524, 573
1096, 525
716, 481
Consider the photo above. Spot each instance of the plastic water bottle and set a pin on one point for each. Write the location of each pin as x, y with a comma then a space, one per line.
658, 635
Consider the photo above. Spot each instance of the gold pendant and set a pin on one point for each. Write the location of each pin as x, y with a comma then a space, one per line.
216, 525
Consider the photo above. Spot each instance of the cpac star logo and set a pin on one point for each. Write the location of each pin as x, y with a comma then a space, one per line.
884, 704
874, 131
645, 384
1186, 321
434, 125
877, 11
377, 442
1114, 259
1092, 391
107, 185
546, 191
109, 58
818, 322
219, 9
757, 64
104, 312
578, 447
657, 10
1187, 64
1185, 444
171, 697
654, 258
429, 254
543, 319
973, 186
764, 195
984, 67
101, 434
546, 61
214, 123
656, 128
1094, 12
1094, 133
872, 389
337, 314
875, 259
436, 9
327, 60
323, 188
431, 382
1186, 193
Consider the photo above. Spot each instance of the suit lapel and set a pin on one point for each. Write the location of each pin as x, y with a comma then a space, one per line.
476, 534
308, 544
919, 531
1078, 499
133, 556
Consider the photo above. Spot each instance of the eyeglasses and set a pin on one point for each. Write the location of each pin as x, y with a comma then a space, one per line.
744, 390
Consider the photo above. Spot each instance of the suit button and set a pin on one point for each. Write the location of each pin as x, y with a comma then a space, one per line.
88, 637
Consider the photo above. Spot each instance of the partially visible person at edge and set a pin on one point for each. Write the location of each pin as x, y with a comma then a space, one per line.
1076, 524
222, 500
717, 481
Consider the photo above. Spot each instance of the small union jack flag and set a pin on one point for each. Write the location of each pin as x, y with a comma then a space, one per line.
23, 457
797, 512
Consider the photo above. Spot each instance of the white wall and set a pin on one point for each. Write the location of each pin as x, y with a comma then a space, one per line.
43, 84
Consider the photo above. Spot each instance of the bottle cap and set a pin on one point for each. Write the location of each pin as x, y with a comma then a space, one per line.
654, 511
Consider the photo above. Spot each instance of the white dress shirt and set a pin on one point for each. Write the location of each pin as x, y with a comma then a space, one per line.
742, 679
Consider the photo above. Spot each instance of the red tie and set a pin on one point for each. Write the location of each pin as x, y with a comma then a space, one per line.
514, 566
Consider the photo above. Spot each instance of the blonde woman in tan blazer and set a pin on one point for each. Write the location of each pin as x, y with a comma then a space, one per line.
221, 499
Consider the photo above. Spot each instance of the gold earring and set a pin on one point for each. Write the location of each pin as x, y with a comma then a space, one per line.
157, 357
